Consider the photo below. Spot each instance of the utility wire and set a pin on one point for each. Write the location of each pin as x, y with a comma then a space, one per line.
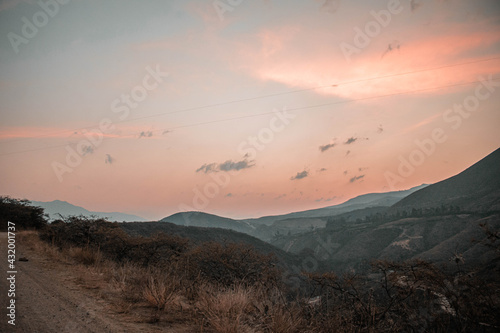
268, 113
263, 96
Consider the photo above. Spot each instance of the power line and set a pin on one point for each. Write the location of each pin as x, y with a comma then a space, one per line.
305, 89
328, 104
268, 113
264, 96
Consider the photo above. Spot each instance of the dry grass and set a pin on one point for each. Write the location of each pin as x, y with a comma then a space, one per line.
30, 241
160, 296
226, 310
159, 291
145, 294
285, 320
85, 256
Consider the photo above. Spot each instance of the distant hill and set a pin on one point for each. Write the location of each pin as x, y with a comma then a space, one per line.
475, 189
358, 203
410, 229
199, 219
266, 227
198, 235
56, 207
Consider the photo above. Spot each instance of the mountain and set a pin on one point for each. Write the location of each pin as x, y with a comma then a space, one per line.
199, 235
434, 238
475, 189
369, 200
199, 219
266, 227
410, 230
56, 207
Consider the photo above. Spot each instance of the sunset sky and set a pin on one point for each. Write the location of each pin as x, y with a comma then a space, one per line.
242, 108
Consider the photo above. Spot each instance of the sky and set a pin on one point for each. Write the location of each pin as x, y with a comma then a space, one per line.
242, 108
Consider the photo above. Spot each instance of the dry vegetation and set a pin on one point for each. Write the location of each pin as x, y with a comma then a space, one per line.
165, 280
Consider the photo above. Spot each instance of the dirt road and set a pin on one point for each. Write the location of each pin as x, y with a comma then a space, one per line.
47, 299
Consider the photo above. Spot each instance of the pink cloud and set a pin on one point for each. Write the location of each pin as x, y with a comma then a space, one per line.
312, 64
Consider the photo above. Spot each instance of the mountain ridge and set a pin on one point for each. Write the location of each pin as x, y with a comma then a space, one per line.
265, 227
64, 208
477, 188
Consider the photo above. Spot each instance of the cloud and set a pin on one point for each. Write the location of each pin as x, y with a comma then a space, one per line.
109, 159
330, 6
206, 168
237, 166
391, 47
300, 175
276, 55
87, 150
326, 147
146, 134
350, 140
228, 165
326, 199
355, 178
415, 5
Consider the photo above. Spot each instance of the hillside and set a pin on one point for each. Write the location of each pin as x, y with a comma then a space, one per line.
475, 189
57, 207
410, 229
199, 219
438, 239
266, 227
198, 235
357, 203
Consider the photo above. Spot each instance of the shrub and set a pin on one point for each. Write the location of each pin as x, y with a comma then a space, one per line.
226, 310
231, 264
159, 290
22, 213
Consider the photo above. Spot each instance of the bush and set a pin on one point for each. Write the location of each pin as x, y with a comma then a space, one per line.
22, 213
113, 242
159, 290
411, 296
231, 264
226, 310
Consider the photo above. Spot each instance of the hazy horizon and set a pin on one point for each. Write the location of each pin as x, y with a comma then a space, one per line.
242, 109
